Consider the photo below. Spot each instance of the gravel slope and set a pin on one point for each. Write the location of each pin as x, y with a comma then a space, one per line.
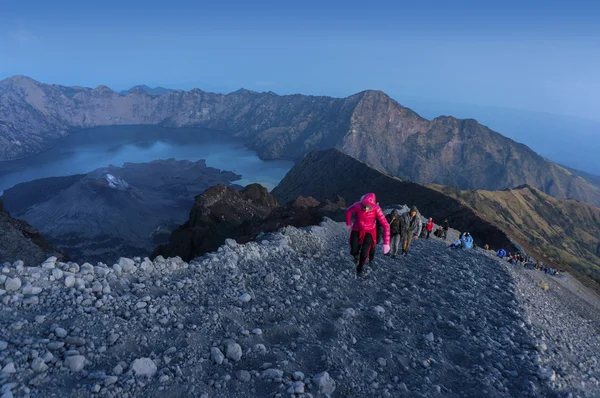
243, 322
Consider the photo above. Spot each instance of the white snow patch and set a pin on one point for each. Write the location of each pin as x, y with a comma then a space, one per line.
116, 182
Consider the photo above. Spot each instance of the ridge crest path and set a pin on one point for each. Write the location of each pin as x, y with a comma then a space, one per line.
440, 322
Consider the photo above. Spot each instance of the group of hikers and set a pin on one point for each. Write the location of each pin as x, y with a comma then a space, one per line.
521, 259
396, 230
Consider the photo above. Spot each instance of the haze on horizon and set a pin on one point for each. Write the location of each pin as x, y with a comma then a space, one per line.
529, 71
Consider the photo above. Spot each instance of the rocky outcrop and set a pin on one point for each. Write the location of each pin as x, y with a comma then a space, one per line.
328, 174
114, 211
20, 241
222, 213
216, 215
369, 126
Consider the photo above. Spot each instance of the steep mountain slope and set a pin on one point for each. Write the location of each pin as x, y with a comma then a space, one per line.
20, 241
114, 211
564, 231
327, 174
594, 179
286, 317
369, 126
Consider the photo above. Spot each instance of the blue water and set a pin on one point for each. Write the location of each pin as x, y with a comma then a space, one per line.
90, 149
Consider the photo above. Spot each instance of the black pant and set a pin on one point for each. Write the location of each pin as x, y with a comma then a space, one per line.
361, 250
428, 233
444, 233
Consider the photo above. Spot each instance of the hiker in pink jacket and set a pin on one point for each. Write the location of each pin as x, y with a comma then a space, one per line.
363, 233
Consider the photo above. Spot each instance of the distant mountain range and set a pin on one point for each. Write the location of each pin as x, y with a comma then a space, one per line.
369, 126
114, 211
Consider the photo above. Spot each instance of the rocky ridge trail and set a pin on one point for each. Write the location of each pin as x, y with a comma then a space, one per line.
285, 316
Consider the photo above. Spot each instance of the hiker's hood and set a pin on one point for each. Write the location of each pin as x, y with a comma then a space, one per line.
369, 199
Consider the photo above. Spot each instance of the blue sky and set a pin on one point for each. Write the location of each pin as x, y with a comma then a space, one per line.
528, 55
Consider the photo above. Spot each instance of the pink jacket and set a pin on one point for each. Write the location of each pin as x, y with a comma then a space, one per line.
366, 213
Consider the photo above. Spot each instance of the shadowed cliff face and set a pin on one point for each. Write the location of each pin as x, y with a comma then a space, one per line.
20, 241
324, 175
369, 126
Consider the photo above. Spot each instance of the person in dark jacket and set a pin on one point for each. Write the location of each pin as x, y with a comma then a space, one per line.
394, 220
445, 226
410, 227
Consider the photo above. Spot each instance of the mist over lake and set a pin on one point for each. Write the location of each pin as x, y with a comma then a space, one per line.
90, 149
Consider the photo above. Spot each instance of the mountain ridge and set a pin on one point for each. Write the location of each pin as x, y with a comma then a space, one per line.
368, 125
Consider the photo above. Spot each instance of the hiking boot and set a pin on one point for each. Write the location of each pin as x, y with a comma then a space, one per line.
393, 256
359, 272
372, 264
356, 260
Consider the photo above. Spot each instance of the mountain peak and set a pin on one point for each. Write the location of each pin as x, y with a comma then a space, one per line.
244, 91
142, 88
19, 80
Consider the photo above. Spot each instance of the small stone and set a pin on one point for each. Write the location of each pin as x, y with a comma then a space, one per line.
382, 362
9, 368
33, 300
298, 376
38, 365
110, 380
324, 383
379, 310
270, 278
70, 281
50, 263
370, 375
12, 284
60, 333
272, 374
297, 387
126, 264
144, 367
55, 345
257, 331
429, 337
216, 355
3, 345
112, 339
547, 374
57, 273
76, 363
234, 352
96, 388
244, 298
243, 375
